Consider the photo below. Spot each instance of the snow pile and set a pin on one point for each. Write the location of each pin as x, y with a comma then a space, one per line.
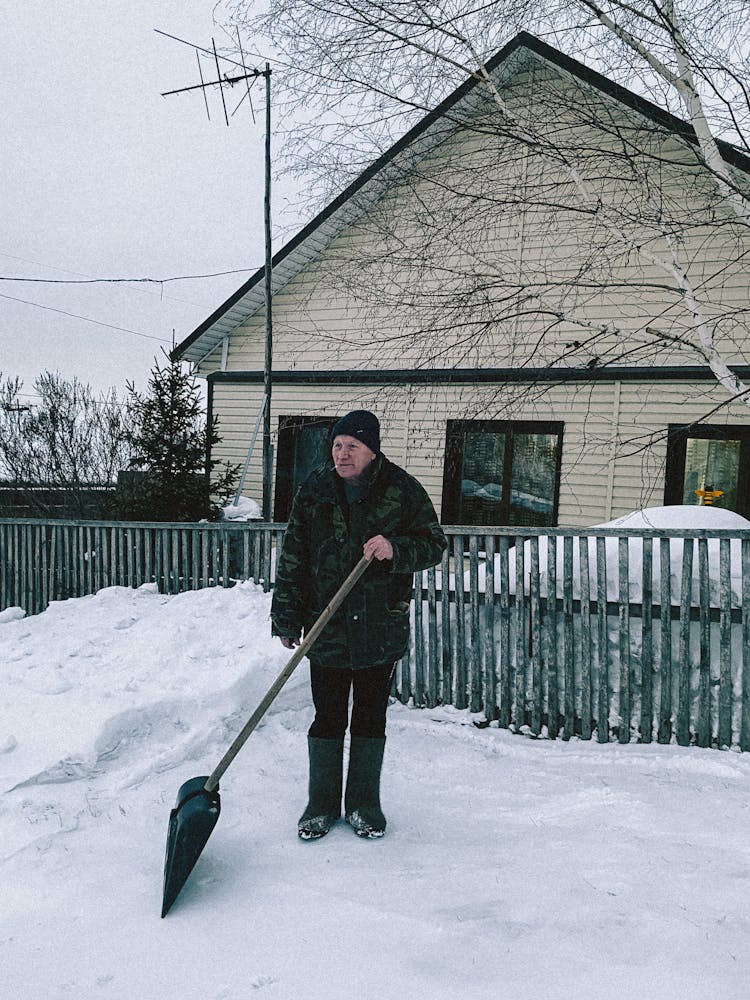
126, 667
655, 518
244, 510
12, 614
511, 867
680, 518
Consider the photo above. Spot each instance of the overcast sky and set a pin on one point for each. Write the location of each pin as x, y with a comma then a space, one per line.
102, 177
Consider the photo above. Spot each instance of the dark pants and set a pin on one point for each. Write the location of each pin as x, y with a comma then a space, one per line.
330, 692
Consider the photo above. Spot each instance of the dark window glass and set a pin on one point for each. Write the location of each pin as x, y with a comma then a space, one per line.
502, 472
705, 460
303, 446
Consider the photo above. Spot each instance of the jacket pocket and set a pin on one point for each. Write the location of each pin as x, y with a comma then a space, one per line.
397, 635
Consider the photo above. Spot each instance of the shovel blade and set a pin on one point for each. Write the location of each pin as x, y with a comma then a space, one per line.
190, 825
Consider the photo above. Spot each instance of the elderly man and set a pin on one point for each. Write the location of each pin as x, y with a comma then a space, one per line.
358, 504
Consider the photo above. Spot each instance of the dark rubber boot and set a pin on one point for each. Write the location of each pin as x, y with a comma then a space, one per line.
324, 789
362, 800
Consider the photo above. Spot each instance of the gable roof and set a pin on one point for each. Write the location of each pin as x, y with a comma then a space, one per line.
355, 200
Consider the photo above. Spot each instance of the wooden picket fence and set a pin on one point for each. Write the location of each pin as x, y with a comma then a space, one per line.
607, 634
45, 561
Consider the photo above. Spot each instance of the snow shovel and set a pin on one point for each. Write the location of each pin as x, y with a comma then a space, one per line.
198, 804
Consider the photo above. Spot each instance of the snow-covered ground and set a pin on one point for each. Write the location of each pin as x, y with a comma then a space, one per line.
511, 867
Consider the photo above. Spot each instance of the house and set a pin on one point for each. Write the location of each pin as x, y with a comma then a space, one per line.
534, 288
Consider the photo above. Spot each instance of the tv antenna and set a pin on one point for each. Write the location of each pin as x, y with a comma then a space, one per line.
222, 81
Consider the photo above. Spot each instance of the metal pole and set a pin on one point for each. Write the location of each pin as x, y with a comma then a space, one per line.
268, 365
250, 450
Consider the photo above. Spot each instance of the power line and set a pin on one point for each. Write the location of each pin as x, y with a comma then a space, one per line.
109, 403
85, 319
125, 281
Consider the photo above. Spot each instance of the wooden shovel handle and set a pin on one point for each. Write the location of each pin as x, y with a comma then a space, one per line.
286, 673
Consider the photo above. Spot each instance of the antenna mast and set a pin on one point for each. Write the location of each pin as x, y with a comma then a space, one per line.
224, 79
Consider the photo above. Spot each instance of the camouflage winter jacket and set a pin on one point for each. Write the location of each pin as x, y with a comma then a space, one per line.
323, 543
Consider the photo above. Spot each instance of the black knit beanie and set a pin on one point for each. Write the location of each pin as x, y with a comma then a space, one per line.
362, 425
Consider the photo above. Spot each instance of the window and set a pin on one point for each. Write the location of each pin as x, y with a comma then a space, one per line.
500, 472
709, 458
303, 446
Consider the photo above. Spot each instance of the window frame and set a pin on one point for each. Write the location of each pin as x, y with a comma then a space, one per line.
454, 436
674, 475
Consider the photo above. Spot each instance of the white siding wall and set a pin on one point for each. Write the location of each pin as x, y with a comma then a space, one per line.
607, 469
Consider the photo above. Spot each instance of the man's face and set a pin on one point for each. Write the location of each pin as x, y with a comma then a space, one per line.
350, 456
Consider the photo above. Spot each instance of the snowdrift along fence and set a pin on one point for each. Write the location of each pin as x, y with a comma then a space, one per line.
605, 633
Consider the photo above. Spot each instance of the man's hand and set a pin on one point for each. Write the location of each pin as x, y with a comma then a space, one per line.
288, 643
378, 548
